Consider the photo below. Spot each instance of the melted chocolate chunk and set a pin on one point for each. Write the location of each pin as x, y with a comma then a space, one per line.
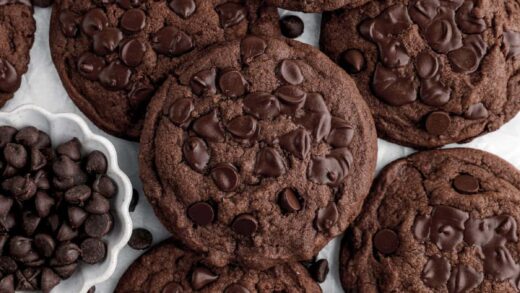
196, 154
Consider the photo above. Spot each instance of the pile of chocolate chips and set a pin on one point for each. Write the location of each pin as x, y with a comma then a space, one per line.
54, 209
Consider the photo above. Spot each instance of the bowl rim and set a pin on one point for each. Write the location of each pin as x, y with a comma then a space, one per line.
113, 166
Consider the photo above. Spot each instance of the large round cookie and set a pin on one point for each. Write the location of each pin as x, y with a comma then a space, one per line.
259, 152
433, 72
113, 55
168, 268
437, 221
315, 5
17, 27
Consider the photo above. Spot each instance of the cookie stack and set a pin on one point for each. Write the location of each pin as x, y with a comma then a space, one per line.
257, 150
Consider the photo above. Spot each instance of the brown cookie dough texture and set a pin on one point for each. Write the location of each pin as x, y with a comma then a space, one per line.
169, 268
433, 72
112, 55
17, 27
437, 221
258, 151
315, 5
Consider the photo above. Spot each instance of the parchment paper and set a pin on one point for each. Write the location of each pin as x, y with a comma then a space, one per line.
42, 86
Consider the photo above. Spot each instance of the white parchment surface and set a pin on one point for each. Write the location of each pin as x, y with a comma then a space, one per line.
41, 86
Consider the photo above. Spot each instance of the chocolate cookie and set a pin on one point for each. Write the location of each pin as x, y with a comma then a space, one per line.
315, 5
259, 152
433, 72
112, 55
170, 268
437, 221
17, 27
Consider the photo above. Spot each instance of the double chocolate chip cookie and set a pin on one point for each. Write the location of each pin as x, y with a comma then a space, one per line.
433, 72
315, 5
170, 268
438, 221
112, 55
17, 27
258, 151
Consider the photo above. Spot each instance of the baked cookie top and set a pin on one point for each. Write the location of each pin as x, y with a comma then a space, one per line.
112, 55
258, 151
168, 268
17, 27
315, 5
437, 221
433, 72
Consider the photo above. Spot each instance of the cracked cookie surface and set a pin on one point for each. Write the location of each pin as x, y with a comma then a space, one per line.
169, 268
112, 55
259, 152
433, 72
437, 221
17, 27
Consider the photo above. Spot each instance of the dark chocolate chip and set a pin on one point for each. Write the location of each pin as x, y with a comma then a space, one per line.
44, 244
204, 82
27, 136
30, 222
76, 216
245, 225
436, 272
341, 133
8, 265
353, 61
291, 72
464, 279
128, 4
19, 246
94, 21
386, 241
291, 26
252, 47
269, 163
67, 253
69, 23
78, 194
226, 177
209, 127
291, 97
392, 88
5, 205
132, 52
180, 111
71, 149
90, 65
243, 126
115, 76
43, 203
172, 42
289, 201
201, 213
262, 105
7, 134
96, 163
22, 188
97, 204
10, 80
93, 250
38, 160
133, 21
49, 280
326, 217
319, 270
7, 284
106, 41
437, 123
297, 142
465, 183
98, 226
231, 14
476, 112
105, 186
66, 233
511, 44
184, 8
93, 288
141, 239
134, 201
65, 271
196, 153
233, 84
15, 155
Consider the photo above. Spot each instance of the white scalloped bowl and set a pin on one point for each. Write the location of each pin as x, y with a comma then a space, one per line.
61, 128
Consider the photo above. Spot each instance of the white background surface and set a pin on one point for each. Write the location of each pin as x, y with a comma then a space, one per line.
42, 86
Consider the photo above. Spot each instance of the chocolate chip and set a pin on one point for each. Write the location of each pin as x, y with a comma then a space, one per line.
98, 226
66, 233
353, 61
262, 105
173, 287
427, 65
8, 264
106, 41
233, 84
128, 4
93, 250
291, 97
236, 288
105, 186
476, 112
93, 288
141, 239
67, 253
291, 72
19, 246
341, 133
245, 225
225, 176
68, 23
196, 153
319, 270
94, 21
392, 88
172, 42
204, 82
76, 216
231, 14
115, 76
326, 217
97, 204
90, 65
49, 280
15, 155
180, 111
30, 222
209, 127
252, 47
5, 205
27, 136
468, 58
201, 277
243, 127
132, 52
133, 21
184, 8
201, 213
269, 163
10, 80
71, 149
386, 241
465, 183
43, 203
436, 272
45, 244
297, 142
289, 201
78, 194
134, 201
7, 284
291, 26
96, 163
22, 188
434, 93
437, 123
38, 160
7, 134
331, 169
511, 42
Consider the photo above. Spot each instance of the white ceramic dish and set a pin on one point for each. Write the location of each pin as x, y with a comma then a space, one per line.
61, 128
